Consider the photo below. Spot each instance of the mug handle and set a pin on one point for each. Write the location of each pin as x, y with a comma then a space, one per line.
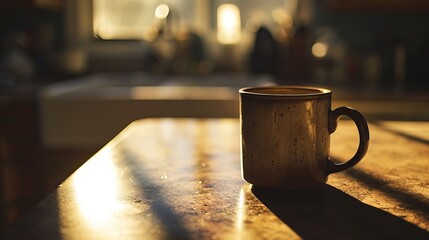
362, 127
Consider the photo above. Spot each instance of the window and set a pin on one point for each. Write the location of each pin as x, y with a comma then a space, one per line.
136, 19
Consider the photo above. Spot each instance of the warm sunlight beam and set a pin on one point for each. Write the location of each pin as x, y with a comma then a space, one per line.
96, 190
241, 212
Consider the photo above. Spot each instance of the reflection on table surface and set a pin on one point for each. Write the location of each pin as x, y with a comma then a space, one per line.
180, 179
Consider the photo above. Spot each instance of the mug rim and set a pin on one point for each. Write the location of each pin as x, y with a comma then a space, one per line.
317, 91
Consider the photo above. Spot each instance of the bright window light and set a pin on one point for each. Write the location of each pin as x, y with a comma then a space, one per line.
114, 19
228, 24
137, 19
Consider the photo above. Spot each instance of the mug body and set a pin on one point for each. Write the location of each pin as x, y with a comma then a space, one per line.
284, 136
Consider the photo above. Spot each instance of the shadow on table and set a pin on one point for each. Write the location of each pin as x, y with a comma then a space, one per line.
408, 199
329, 213
402, 134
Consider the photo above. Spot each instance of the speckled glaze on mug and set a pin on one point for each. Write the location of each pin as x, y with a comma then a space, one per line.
285, 136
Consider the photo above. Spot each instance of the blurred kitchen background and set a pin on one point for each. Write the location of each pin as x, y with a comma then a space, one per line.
73, 73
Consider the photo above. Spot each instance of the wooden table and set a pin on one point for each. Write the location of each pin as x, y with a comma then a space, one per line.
180, 179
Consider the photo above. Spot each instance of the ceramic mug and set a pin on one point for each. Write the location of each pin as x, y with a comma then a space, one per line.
285, 136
